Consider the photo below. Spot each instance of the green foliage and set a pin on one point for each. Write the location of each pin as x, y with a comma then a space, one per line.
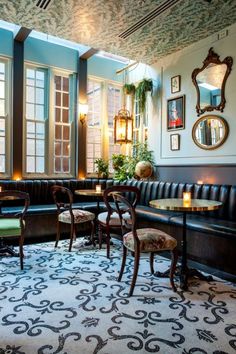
124, 166
102, 167
141, 153
129, 89
143, 87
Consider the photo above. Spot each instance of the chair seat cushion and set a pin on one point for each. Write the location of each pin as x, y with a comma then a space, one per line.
114, 218
151, 240
10, 227
80, 216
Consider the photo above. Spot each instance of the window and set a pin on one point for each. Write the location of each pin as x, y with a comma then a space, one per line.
49, 145
4, 119
104, 101
140, 133
36, 115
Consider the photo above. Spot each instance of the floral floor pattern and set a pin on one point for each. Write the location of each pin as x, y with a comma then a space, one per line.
72, 303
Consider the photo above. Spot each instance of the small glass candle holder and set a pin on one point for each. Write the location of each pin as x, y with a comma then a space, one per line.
0, 188
200, 182
187, 196
98, 188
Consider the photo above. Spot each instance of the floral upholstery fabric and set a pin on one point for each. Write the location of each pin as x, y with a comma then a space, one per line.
114, 219
151, 240
80, 216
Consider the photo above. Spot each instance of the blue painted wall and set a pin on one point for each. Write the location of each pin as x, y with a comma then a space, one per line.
105, 68
50, 54
6, 42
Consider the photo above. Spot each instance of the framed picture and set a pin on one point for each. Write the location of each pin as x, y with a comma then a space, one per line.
175, 84
174, 142
176, 113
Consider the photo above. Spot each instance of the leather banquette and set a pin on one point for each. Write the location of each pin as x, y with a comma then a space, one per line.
211, 235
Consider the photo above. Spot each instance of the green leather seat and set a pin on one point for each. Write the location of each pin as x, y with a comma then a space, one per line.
10, 227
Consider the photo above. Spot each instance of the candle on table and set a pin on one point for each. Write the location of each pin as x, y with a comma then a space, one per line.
98, 188
187, 196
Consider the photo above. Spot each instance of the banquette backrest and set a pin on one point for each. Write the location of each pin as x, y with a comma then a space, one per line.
40, 191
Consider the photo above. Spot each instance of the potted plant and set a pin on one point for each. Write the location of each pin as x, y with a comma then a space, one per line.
129, 89
102, 168
143, 87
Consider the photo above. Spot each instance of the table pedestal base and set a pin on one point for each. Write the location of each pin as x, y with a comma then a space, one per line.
190, 273
7, 249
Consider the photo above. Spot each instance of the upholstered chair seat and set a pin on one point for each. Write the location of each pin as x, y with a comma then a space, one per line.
80, 216
10, 227
151, 240
114, 219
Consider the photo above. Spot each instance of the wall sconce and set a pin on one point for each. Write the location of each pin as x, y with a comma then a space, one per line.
123, 127
83, 110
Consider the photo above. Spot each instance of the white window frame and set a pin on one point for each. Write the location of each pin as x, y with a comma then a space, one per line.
104, 120
49, 122
8, 118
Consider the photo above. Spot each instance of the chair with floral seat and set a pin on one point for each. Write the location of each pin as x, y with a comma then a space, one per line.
13, 224
63, 199
110, 219
147, 240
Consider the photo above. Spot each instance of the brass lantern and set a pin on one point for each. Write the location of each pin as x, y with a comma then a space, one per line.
123, 127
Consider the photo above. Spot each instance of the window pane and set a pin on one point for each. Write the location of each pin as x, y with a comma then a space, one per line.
57, 166
58, 134
58, 99
57, 147
58, 114
2, 127
30, 147
65, 115
29, 111
65, 100
2, 68
66, 165
40, 130
2, 164
30, 167
30, 130
40, 147
66, 84
58, 82
2, 145
39, 112
2, 108
40, 95
30, 94
66, 149
40, 79
66, 133
30, 73
2, 89
39, 164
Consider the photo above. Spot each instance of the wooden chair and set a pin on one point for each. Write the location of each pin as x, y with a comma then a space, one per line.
110, 219
63, 199
143, 240
13, 225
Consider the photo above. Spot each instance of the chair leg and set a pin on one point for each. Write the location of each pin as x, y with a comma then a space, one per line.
21, 241
123, 263
72, 230
100, 235
108, 240
151, 262
136, 266
92, 232
174, 259
58, 233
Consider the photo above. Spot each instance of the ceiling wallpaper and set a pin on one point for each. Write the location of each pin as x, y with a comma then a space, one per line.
97, 23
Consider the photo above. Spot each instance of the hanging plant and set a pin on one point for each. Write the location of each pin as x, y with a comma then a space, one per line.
129, 89
143, 87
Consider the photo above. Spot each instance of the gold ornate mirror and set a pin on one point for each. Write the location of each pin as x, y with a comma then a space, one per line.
210, 81
209, 132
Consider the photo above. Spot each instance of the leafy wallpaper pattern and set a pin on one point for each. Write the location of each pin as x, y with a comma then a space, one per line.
97, 23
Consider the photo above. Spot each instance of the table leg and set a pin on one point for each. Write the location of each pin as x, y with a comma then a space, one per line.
184, 270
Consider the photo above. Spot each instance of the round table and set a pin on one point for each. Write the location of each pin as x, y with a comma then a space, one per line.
180, 205
91, 193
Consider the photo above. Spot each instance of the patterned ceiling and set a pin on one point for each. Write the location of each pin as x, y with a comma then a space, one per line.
97, 23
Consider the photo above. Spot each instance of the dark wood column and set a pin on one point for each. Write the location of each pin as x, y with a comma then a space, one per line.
18, 100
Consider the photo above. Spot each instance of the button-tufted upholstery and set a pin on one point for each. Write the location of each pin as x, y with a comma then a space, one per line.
211, 235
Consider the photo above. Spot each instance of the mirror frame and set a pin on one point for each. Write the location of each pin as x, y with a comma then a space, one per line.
221, 142
214, 58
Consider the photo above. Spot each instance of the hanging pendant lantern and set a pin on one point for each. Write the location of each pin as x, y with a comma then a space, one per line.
123, 127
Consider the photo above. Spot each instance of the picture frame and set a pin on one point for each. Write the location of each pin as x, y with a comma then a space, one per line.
175, 142
176, 113
175, 84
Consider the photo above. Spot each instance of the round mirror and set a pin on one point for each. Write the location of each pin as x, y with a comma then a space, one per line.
210, 132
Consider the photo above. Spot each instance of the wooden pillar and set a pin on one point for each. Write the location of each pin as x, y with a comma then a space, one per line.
18, 100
